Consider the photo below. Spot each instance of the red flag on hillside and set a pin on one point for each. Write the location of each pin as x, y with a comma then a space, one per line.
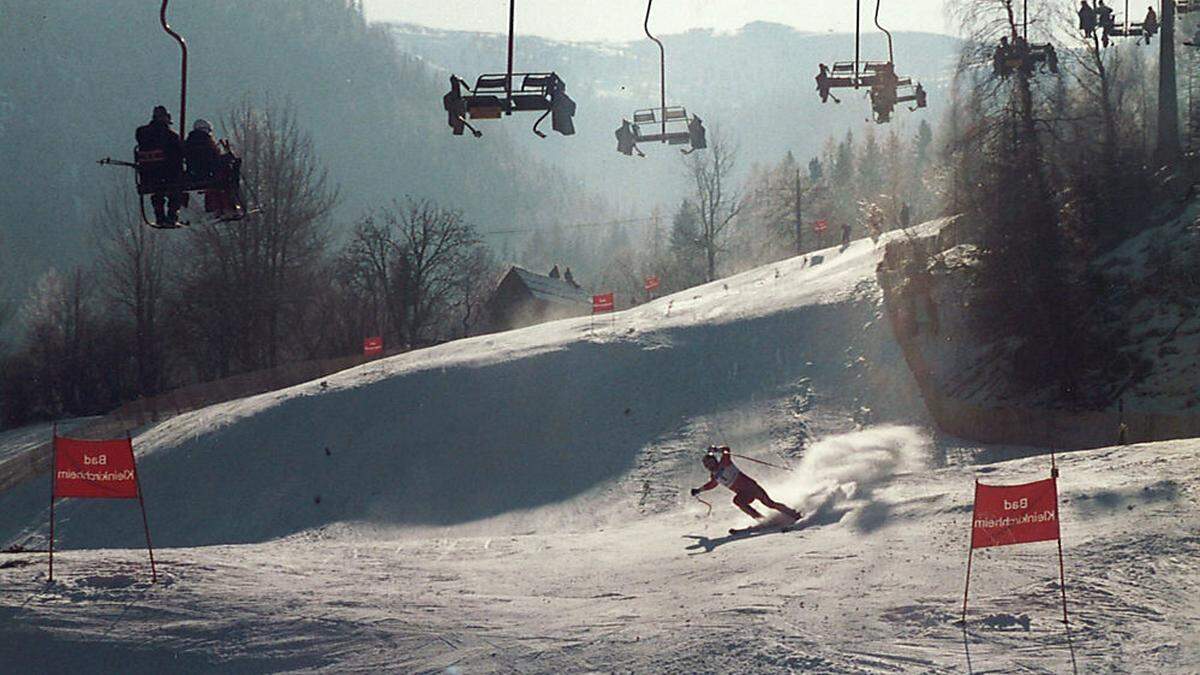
1015, 514
372, 346
651, 283
602, 303
820, 225
94, 469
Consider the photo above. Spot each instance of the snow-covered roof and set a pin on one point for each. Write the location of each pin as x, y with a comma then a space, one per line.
549, 289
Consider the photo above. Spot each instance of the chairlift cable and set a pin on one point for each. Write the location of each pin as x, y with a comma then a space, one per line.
662, 66
573, 226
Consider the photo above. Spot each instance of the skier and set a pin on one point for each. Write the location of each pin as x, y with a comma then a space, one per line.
160, 161
745, 489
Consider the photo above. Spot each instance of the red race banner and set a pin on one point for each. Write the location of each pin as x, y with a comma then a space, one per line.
651, 283
94, 469
1015, 514
820, 225
602, 303
372, 346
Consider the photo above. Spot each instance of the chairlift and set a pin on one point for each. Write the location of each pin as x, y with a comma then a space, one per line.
886, 88
1022, 56
1112, 28
1185, 6
497, 94
671, 125
163, 177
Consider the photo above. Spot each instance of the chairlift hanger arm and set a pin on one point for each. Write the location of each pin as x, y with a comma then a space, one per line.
162, 18
891, 57
662, 65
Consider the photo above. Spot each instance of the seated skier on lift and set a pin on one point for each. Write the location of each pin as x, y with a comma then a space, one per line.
206, 162
823, 85
1150, 24
1087, 19
745, 489
160, 164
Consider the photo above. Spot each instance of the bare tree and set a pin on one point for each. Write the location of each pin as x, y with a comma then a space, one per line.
717, 202
132, 258
434, 242
244, 282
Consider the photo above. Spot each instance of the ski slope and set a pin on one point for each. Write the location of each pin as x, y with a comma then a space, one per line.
518, 502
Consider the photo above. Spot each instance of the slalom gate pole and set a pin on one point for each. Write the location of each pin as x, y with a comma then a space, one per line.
970, 555
1062, 576
759, 461
142, 504
53, 462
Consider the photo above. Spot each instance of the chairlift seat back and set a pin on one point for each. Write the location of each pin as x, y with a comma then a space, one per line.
484, 107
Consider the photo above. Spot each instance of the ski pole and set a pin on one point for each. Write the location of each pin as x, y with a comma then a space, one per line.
759, 461
706, 504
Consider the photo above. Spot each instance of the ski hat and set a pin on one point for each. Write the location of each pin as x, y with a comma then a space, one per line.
202, 124
160, 114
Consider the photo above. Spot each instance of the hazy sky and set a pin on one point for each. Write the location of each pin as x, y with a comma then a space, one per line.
622, 19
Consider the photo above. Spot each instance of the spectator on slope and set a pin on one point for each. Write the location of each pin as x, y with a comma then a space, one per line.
745, 489
845, 235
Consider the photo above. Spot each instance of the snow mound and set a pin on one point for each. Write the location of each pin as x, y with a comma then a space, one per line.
499, 424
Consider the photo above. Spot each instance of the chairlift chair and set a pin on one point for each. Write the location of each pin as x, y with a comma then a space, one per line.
671, 125
1118, 28
497, 94
879, 76
1026, 57
225, 179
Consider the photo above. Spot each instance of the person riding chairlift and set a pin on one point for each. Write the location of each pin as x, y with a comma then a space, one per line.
207, 163
160, 164
1087, 19
1104, 19
1150, 24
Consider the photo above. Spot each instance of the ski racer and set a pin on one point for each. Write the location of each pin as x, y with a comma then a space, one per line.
745, 489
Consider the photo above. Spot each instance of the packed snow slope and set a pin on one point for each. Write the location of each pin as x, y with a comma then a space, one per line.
518, 503
492, 425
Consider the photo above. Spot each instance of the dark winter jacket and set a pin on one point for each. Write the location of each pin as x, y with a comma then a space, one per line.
202, 154
160, 153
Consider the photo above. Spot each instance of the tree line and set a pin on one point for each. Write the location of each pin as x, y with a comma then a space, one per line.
161, 309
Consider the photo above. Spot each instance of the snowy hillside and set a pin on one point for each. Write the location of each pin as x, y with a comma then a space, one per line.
518, 502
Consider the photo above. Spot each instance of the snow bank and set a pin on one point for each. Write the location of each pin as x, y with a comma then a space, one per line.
498, 424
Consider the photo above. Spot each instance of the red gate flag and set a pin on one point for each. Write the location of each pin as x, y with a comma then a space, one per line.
372, 346
602, 303
820, 225
102, 469
652, 283
1015, 514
